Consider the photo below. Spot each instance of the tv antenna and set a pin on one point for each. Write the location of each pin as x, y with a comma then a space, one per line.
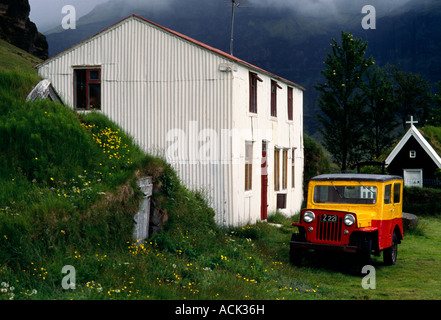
234, 5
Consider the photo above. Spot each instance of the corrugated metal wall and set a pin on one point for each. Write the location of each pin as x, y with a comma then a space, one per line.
278, 132
154, 82
170, 95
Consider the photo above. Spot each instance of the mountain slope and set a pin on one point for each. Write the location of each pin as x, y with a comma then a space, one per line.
285, 40
18, 29
13, 58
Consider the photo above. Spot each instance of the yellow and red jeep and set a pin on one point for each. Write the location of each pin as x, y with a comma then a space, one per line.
356, 213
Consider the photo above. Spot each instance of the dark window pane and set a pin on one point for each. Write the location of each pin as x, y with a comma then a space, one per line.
290, 103
273, 98
253, 92
397, 191
387, 194
80, 89
95, 96
94, 75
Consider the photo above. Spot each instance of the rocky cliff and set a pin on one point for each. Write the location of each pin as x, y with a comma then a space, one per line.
17, 29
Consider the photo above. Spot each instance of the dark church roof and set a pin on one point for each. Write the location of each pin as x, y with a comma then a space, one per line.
413, 132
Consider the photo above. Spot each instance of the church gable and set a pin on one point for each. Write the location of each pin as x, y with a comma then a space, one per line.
412, 156
414, 159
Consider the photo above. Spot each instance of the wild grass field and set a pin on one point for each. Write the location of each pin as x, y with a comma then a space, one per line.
68, 197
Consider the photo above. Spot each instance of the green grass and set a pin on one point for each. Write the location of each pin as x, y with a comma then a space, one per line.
13, 58
247, 263
433, 135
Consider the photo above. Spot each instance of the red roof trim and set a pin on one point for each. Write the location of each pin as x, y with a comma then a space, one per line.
180, 35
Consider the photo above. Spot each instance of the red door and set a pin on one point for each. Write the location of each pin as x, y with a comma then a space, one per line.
264, 183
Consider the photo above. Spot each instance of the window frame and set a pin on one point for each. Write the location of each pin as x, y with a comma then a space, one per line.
273, 98
285, 169
290, 104
273, 90
276, 169
293, 168
397, 192
253, 79
388, 194
88, 81
248, 165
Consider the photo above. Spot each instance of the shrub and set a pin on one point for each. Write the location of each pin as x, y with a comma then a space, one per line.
422, 201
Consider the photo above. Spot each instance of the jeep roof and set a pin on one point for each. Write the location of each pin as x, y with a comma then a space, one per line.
355, 177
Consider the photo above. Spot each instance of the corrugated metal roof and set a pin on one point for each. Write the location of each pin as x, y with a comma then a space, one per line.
184, 37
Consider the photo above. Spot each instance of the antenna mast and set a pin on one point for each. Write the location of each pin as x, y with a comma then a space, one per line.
234, 4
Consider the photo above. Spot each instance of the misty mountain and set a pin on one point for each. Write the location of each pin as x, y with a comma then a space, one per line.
290, 41
17, 29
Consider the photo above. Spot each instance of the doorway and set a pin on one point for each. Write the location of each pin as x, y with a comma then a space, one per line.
264, 182
413, 177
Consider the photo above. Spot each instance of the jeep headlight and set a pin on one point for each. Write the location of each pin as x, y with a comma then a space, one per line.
349, 220
308, 216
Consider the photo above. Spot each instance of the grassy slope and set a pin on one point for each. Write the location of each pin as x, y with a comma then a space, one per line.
13, 58
65, 201
433, 136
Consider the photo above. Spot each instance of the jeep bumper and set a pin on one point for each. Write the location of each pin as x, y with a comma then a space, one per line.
321, 246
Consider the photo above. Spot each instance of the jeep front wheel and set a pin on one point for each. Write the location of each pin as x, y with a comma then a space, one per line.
295, 254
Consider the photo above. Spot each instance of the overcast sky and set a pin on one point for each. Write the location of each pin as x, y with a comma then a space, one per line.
46, 14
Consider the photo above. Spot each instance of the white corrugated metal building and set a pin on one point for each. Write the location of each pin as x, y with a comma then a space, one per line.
231, 130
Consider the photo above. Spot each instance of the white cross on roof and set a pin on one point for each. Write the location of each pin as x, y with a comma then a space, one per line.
412, 122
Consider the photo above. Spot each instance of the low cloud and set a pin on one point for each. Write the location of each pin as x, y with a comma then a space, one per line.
47, 13
317, 8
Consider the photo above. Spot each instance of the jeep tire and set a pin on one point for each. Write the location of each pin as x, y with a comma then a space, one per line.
364, 255
296, 254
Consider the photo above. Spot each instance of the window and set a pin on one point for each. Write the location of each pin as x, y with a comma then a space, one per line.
293, 168
397, 192
274, 86
264, 162
276, 169
290, 103
281, 201
248, 165
345, 194
253, 91
273, 98
285, 169
412, 154
387, 194
87, 86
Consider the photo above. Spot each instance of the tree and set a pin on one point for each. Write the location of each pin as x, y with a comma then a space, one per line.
316, 161
341, 100
412, 94
435, 112
380, 111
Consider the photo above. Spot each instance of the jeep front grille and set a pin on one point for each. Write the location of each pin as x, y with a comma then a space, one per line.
329, 231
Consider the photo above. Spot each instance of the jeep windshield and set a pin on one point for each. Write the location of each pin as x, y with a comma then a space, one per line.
345, 194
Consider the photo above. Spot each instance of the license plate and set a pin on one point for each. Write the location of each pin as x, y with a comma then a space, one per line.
329, 218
